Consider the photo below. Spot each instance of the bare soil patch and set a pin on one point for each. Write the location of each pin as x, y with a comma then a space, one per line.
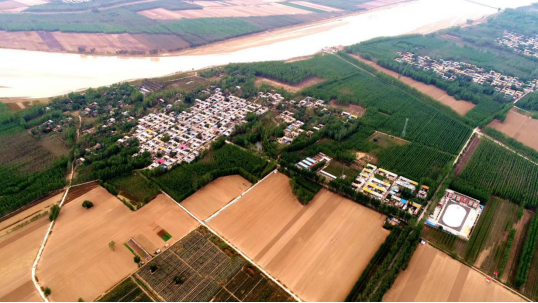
454, 39
467, 155
520, 127
17, 252
291, 88
215, 195
318, 250
102, 43
22, 40
461, 106
351, 108
78, 262
386, 140
434, 276
241, 10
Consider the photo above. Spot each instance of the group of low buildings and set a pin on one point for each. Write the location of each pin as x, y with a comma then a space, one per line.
387, 187
520, 43
310, 162
294, 128
172, 138
449, 70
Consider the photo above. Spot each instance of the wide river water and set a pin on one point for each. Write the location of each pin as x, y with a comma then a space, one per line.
41, 74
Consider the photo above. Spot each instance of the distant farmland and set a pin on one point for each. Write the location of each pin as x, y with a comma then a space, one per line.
144, 27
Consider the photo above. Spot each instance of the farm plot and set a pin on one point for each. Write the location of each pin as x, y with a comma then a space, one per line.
17, 252
430, 268
520, 127
78, 261
201, 267
126, 291
493, 169
266, 9
291, 88
318, 250
101, 43
215, 195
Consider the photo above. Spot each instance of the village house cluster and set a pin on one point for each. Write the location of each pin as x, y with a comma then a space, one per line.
519, 43
294, 128
175, 138
388, 187
55, 126
450, 70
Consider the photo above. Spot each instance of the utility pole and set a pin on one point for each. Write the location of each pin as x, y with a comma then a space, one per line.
405, 127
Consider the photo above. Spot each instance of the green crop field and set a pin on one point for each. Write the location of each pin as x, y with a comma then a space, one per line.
184, 180
126, 291
30, 167
136, 188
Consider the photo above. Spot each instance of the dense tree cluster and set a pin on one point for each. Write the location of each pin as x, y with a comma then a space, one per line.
528, 253
391, 258
493, 169
183, 180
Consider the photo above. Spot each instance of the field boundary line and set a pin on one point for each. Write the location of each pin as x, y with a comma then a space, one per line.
462, 152
85, 183
238, 197
481, 272
236, 249
40, 252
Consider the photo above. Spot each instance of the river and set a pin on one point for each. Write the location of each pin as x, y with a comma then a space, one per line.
35, 74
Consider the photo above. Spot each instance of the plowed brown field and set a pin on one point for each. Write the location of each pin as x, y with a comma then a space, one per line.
215, 195
519, 127
433, 276
318, 251
77, 261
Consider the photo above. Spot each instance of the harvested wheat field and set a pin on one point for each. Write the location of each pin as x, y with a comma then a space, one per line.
77, 261
18, 250
433, 276
291, 88
318, 251
520, 127
215, 195
22, 40
265, 9
460, 106
103, 43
